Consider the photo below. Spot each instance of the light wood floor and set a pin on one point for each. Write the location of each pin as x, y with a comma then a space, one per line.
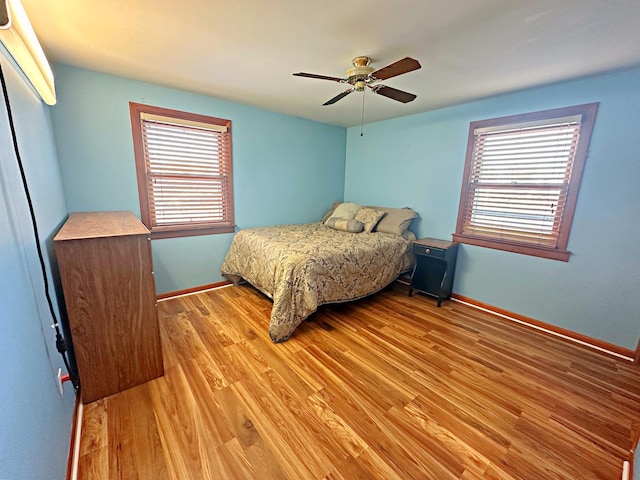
389, 387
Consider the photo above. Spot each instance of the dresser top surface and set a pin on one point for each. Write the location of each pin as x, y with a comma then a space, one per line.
100, 224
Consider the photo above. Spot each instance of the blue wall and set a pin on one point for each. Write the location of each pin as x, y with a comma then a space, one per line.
35, 421
418, 161
289, 170
286, 169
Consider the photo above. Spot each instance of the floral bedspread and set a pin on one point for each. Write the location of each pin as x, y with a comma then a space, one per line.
303, 266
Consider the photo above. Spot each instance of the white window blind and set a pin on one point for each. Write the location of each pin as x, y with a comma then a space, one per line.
519, 182
185, 170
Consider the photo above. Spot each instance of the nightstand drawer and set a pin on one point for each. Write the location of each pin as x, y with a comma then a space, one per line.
428, 250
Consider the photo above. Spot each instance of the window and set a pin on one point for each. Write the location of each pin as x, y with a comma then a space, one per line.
521, 179
183, 162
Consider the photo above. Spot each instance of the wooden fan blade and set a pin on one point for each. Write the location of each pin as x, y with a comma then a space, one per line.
320, 77
393, 93
398, 68
338, 97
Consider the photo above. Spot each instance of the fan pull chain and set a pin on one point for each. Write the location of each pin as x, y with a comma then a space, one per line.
362, 118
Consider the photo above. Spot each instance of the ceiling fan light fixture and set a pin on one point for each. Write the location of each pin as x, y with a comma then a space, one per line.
360, 70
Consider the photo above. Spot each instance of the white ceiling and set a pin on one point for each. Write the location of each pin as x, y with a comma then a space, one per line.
246, 50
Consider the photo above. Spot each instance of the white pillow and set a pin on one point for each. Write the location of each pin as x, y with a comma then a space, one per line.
345, 210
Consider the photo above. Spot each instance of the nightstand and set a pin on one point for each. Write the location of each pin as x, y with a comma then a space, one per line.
434, 269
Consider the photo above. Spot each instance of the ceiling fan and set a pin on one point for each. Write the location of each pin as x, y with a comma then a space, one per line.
362, 75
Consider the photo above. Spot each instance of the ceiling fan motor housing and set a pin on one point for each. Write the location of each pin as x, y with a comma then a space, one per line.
358, 75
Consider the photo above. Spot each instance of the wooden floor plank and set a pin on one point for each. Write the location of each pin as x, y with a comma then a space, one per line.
94, 427
388, 387
135, 451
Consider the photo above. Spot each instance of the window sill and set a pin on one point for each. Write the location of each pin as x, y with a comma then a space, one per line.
176, 232
535, 251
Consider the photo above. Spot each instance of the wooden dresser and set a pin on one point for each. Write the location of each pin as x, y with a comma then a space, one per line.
107, 277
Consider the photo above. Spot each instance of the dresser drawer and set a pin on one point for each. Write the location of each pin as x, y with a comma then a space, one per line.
428, 250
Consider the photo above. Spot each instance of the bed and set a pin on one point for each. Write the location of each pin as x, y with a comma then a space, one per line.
303, 266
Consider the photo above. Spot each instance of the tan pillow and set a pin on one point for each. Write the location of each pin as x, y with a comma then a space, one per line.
369, 217
351, 225
396, 220
345, 210
326, 216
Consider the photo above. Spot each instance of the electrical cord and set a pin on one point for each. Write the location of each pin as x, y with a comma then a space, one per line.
61, 345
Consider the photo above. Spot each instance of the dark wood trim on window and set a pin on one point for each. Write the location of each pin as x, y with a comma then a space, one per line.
190, 232
552, 254
587, 114
135, 109
227, 225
